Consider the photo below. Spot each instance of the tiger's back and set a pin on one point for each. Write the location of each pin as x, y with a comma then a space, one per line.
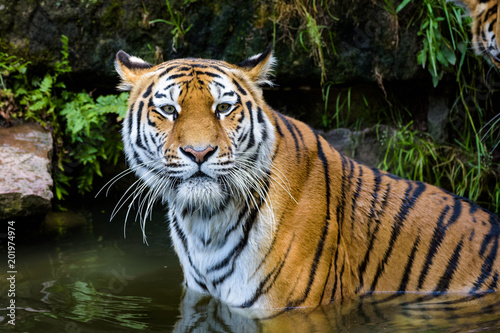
372, 231
265, 214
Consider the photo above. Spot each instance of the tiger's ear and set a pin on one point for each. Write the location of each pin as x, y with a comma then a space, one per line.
260, 67
130, 69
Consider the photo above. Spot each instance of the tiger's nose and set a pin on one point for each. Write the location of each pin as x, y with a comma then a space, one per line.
198, 155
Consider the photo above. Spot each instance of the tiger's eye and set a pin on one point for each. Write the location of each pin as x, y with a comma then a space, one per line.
223, 107
169, 109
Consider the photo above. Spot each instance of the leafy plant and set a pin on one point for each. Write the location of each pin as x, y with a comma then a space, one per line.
178, 31
12, 69
85, 131
438, 51
415, 155
92, 136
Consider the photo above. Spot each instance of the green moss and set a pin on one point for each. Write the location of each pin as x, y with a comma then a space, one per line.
113, 14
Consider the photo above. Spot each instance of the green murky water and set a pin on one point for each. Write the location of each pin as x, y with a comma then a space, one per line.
89, 278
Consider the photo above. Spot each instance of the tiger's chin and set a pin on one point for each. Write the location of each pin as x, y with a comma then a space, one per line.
201, 196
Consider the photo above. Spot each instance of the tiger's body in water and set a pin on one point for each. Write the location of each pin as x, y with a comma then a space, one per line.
264, 214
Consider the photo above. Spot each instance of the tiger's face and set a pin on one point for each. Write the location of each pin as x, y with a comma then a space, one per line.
485, 29
197, 131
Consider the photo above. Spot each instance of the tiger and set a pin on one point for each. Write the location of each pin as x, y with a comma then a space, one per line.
484, 28
266, 216
447, 313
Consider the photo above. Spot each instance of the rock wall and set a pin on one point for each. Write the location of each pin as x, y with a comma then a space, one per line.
363, 41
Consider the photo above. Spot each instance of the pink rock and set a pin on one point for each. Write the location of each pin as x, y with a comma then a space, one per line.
25, 171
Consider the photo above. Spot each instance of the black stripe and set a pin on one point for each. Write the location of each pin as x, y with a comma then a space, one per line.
278, 128
436, 240
274, 273
492, 24
341, 278
148, 91
151, 108
201, 284
238, 249
260, 116
217, 68
356, 196
159, 95
491, 11
242, 114
438, 236
487, 266
492, 234
300, 133
158, 113
166, 71
208, 74
290, 129
376, 188
139, 141
340, 217
406, 206
240, 89
251, 141
444, 281
494, 283
350, 176
175, 76
235, 226
137, 158
183, 239
406, 274
473, 208
129, 119
327, 277
324, 232
225, 262
264, 133
373, 237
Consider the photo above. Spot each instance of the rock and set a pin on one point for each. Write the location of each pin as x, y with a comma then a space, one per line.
363, 39
437, 117
25, 164
364, 146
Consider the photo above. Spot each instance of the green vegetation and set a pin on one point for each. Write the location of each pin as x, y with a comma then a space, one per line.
178, 31
85, 130
438, 52
469, 165
415, 155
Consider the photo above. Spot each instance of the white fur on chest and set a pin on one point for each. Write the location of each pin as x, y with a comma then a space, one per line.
223, 253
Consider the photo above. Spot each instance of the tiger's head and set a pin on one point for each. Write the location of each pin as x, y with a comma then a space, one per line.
485, 29
197, 131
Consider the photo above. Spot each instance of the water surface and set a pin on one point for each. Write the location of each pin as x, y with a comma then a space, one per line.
89, 278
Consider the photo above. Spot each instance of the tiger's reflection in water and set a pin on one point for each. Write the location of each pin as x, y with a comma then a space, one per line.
380, 311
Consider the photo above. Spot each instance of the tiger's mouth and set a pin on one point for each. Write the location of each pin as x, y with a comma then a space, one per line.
199, 174
200, 192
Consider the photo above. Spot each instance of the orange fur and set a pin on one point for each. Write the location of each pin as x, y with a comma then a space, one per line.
485, 14
341, 229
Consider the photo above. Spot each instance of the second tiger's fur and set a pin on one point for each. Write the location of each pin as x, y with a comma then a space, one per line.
485, 28
265, 214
